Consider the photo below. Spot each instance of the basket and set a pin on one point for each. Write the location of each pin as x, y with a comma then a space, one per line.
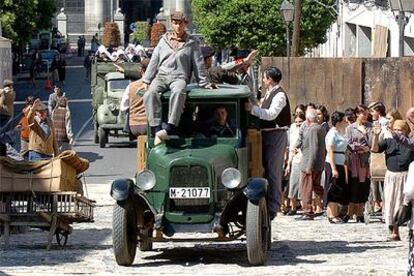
70, 206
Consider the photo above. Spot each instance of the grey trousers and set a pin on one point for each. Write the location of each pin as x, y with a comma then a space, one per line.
274, 145
152, 99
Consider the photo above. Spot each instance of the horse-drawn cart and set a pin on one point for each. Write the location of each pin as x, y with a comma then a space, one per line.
44, 194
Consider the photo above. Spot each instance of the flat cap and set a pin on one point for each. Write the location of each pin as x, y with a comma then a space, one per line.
7, 82
178, 15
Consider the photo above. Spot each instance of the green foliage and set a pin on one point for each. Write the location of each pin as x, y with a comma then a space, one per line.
258, 24
142, 32
20, 18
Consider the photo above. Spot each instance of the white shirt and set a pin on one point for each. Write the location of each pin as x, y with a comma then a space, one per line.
276, 106
124, 105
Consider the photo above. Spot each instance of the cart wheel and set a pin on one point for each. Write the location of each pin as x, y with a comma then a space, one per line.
62, 238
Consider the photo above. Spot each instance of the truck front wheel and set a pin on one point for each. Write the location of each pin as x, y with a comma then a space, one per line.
103, 137
257, 232
124, 233
96, 133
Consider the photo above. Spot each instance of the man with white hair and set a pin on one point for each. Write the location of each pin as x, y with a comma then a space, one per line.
312, 163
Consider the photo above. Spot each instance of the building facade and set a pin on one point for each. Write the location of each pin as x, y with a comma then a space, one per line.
363, 27
88, 17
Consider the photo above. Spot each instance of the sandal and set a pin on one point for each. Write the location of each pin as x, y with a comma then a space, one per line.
335, 220
394, 237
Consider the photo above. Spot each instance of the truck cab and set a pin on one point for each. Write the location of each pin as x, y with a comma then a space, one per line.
202, 180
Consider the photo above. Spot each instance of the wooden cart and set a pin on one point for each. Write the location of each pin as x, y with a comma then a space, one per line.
50, 211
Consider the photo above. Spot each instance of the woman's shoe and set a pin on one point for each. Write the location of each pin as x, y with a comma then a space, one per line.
360, 219
291, 213
394, 237
345, 219
335, 220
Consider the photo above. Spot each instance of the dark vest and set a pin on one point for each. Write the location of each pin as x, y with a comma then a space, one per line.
284, 117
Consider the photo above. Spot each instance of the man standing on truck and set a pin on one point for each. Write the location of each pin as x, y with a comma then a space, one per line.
174, 60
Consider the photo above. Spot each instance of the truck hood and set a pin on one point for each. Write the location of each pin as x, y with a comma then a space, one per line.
218, 157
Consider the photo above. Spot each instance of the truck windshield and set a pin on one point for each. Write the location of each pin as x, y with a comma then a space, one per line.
208, 120
118, 84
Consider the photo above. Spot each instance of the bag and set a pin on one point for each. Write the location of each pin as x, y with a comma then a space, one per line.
404, 214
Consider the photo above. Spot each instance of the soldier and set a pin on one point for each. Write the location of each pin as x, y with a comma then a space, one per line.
7, 97
176, 57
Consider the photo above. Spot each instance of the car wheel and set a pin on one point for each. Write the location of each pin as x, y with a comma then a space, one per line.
145, 243
124, 233
257, 232
103, 137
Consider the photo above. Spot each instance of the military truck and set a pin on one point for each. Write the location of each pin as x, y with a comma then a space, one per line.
198, 181
107, 87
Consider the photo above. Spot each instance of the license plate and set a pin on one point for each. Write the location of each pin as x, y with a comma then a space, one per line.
203, 192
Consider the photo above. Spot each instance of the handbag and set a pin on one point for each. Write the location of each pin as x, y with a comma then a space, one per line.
403, 214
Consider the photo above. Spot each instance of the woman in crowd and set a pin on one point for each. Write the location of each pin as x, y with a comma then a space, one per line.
299, 108
293, 166
409, 197
398, 158
350, 115
336, 172
391, 116
358, 136
323, 117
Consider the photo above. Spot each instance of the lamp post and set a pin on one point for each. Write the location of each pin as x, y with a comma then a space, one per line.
401, 6
287, 10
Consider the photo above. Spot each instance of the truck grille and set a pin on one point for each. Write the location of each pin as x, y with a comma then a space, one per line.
189, 176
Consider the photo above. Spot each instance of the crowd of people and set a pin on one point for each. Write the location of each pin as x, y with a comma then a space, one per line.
341, 152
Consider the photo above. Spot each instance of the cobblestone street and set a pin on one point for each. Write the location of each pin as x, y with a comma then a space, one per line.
298, 248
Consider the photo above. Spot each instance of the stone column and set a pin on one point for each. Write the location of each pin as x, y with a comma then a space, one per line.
62, 21
119, 19
94, 14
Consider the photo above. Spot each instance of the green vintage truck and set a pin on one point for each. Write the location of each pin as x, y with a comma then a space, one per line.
107, 87
197, 182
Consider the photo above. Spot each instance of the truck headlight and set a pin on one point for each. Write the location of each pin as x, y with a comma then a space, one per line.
145, 180
231, 178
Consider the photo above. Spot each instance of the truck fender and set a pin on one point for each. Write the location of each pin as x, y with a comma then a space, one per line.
255, 189
120, 188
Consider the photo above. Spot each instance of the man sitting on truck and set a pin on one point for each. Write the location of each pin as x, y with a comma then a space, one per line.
174, 60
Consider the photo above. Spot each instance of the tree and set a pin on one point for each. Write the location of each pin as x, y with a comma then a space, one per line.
257, 24
142, 31
20, 18
111, 35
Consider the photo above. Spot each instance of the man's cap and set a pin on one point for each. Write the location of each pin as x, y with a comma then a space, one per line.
41, 107
178, 15
7, 82
207, 51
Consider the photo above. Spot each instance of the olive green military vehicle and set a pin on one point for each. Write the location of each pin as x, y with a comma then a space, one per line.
107, 87
199, 181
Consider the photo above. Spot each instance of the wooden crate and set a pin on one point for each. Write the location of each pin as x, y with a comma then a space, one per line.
254, 138
141, 153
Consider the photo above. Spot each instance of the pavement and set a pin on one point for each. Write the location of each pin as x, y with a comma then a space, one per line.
298, 247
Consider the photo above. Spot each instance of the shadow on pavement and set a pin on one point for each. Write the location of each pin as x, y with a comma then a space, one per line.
282, 253
91, 156
23, 251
